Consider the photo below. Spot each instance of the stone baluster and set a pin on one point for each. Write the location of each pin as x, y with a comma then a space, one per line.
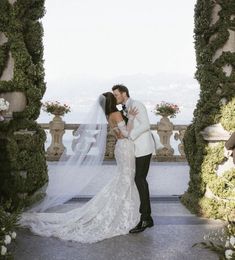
165, 131
57, 130
162, 153
180, 136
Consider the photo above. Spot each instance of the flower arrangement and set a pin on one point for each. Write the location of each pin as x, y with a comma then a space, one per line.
55, 108
8, 224
221, 242
166, 109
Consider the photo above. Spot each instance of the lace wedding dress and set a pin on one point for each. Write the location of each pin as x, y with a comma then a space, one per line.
111, 212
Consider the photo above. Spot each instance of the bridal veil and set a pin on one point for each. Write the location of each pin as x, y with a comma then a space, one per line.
69, 177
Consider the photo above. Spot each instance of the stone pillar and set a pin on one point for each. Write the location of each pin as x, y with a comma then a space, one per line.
23, 169
165, 131
180, 136
57, 130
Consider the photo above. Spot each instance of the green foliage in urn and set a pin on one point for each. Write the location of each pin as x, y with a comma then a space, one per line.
216, 105
22, 156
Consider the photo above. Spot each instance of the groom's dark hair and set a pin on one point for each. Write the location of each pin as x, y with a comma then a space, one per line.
121, 89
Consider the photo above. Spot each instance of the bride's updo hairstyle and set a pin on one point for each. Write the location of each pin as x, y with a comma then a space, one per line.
110, 104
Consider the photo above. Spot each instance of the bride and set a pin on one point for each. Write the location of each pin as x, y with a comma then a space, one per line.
114, 210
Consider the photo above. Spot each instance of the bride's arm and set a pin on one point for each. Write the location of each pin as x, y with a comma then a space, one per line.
125, 129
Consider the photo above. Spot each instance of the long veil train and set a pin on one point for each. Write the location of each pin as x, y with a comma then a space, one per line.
68, 178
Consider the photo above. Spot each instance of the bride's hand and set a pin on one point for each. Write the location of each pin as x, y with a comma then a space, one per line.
119, 135
133, 111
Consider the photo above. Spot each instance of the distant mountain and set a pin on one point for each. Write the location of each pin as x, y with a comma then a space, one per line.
80, 92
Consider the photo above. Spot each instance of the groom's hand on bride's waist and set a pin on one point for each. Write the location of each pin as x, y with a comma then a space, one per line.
120, 135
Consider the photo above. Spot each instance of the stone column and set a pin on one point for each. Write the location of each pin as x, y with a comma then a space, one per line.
57, 130
23, 162
215, 134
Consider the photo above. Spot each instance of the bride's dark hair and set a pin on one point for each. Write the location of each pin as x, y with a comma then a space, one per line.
110, 104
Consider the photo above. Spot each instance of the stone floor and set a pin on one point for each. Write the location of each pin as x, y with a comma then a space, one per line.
172, 237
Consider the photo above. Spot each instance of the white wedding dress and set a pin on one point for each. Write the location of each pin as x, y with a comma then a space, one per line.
111, 212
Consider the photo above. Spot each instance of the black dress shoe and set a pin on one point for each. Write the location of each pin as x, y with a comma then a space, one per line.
141, 226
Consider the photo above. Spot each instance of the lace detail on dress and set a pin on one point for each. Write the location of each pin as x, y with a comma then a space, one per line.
112, 212
123, 128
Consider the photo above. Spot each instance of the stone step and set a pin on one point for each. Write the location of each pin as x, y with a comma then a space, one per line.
174, 198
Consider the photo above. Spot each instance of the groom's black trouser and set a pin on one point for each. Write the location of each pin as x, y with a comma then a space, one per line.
142, 168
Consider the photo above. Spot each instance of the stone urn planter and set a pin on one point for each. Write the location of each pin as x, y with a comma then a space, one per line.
165, 126
165, 131
57, 129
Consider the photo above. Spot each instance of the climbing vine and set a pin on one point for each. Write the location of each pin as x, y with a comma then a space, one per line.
22, 157
216, 105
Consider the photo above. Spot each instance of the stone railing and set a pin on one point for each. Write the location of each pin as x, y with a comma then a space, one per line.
169, 135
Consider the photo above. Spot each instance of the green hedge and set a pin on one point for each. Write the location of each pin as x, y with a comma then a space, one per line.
22, 157
215, 87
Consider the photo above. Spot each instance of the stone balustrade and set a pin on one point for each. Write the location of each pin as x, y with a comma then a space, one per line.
171, 136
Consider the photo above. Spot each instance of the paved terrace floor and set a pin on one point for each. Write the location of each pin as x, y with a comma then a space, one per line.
172, 237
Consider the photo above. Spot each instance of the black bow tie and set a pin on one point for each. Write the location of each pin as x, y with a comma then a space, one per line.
124, 108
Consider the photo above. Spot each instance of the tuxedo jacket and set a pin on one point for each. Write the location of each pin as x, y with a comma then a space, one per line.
230, 145
141, 134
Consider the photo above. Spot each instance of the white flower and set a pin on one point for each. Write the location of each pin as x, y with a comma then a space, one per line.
232, 240
4, 105
229, 254
13, 234
3, 229
7, 239
227, 243
3, 250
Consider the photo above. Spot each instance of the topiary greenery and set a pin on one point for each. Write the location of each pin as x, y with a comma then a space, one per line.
22, 159
216, 105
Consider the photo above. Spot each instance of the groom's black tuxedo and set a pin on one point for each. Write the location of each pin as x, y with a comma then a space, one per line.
142, 167
124, 117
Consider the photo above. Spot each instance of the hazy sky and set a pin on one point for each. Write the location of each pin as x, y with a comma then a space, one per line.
108, 38
90, 45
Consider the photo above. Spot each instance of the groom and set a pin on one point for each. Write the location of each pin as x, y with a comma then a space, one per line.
144, 147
